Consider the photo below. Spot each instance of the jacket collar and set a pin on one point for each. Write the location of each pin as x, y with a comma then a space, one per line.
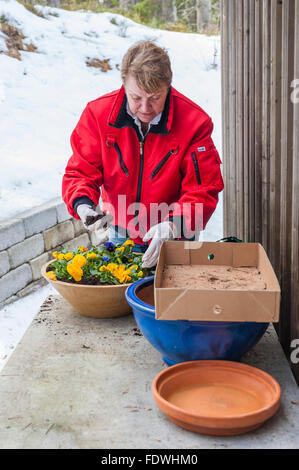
119, 117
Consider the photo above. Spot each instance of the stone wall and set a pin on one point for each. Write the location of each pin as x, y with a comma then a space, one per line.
27, 242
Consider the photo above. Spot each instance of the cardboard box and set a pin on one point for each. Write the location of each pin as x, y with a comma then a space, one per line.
216, 304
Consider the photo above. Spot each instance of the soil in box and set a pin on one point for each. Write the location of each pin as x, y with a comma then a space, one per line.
213, 277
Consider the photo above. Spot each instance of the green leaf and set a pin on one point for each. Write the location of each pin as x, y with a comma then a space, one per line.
94, 271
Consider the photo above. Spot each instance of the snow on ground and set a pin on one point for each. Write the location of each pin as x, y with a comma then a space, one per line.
15, 319
42, 97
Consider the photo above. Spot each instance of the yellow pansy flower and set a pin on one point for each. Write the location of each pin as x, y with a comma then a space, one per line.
121, 249
140, 274
79, 260
112, 267
129, 243
103, 268
120, 270
124, 278
91, 255
51, 275
75, 271
132, 267
82, 248
60, 256
55, 254
68, 256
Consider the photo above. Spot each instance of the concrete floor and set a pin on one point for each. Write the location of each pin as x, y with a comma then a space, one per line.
83, 383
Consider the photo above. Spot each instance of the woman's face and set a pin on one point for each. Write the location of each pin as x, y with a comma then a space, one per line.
144, 105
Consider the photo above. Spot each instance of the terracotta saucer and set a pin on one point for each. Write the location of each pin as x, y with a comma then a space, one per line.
216, 397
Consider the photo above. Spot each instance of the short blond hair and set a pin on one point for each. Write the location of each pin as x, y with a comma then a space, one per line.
149, 64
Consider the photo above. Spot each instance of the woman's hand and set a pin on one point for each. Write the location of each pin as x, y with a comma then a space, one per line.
158, 234
93, 220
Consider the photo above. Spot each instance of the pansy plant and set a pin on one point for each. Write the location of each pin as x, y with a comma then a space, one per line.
104, 264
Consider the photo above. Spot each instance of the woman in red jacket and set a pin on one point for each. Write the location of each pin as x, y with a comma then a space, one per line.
147, 150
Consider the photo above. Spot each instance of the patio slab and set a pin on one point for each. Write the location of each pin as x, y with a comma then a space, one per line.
84, 383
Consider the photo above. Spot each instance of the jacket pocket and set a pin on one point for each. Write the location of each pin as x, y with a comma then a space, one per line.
196, 168
163, 161
120, 159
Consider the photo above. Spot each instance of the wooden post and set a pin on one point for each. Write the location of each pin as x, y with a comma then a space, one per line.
239, 194
246, 117
276, 70
224, 105
251, 145
265, 125
258, 119
294, 291
231, 162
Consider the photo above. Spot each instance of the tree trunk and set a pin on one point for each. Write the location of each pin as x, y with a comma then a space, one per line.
106, 3
166, 10
174, 12
203, 14
123, 4
54, 3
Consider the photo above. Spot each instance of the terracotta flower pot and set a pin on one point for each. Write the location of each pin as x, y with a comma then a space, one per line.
92, 301
216, 397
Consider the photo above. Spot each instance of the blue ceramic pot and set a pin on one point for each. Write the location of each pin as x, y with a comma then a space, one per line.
182, 340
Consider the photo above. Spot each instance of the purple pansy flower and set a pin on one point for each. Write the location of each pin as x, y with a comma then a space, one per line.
109, 246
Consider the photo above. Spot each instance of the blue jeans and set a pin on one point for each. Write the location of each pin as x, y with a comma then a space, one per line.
115, 237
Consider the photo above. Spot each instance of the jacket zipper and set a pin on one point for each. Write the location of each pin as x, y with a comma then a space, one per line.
120, 159
160, 165
195, 163
141, 145
139, 183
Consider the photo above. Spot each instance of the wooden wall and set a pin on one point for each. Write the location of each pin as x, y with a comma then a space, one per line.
260, 61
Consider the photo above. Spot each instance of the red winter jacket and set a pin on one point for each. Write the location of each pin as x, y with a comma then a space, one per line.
177, 163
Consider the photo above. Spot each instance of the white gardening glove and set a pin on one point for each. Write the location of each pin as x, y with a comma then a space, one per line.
85, 211
158, 234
